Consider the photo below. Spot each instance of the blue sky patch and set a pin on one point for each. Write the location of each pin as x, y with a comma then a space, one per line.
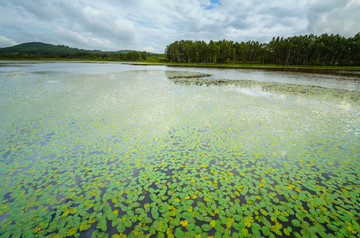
213, 4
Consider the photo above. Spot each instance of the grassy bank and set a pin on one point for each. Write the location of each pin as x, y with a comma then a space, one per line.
308, 68
265, 66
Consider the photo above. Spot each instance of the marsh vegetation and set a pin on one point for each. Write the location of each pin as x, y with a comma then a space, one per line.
113, 150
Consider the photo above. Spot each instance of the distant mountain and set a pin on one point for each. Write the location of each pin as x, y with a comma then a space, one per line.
40, 47
40, 50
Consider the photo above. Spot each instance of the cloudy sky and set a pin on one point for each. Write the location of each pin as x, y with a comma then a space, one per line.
153, 24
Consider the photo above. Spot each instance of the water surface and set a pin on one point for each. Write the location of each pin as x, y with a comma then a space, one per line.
106, 149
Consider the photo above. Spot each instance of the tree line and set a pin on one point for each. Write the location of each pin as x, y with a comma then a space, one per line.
39, 50
297, 50
111, 56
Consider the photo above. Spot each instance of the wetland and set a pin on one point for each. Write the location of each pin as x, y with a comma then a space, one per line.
117, 150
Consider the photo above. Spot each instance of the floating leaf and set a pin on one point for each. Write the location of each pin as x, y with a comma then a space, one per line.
184, 223
295, 222
154, 212
229, 222
265, 213
248, 221
71, 232
256, 226
84, 226
237, 217
265, 230
198, 229
153, 197
332, 227
206, 227
282, 218
37, 229
121, 228
179, 233
255, 231
286, 232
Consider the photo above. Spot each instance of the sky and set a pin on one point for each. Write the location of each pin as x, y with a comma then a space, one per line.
151, 25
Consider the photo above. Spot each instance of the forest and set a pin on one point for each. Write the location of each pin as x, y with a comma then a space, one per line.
327, 50
40, 50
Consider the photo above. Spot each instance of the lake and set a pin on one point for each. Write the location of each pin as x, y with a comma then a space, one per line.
93, 149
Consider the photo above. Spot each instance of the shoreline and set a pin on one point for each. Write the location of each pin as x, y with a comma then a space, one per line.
337, 70
353, 71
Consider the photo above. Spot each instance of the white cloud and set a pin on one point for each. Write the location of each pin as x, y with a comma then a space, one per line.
4, 42
153, 24
335, 17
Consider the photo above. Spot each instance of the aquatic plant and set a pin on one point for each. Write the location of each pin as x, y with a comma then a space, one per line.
134, 154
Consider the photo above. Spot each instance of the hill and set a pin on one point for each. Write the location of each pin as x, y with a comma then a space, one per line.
37, 47
40, 50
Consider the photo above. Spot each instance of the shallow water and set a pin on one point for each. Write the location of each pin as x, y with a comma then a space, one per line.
106, 148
